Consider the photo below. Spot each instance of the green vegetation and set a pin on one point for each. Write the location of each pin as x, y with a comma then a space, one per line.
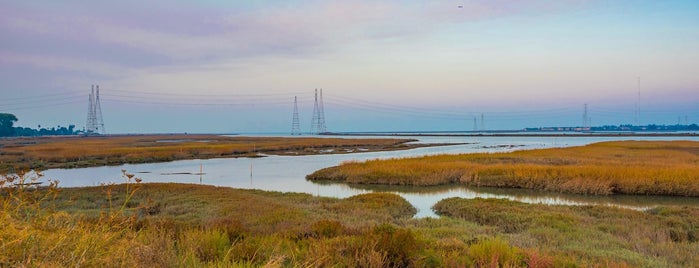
71, 152
660, 237
626, 167
8, 130
183, 225
165, 225
6, 124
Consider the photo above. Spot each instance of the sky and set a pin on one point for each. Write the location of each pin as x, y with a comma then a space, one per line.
235, 66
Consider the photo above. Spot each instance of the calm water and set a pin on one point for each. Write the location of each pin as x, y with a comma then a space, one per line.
287, 174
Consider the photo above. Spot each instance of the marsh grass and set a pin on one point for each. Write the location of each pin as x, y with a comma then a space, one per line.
72, 152
624, 167
194, 226
183, 225
658, 237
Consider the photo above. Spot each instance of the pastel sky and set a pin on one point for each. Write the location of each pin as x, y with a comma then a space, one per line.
235, 66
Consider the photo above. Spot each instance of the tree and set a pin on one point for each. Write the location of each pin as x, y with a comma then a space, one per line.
6, 124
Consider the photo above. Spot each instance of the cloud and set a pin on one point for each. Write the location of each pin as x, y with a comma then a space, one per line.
59, 63
186, 32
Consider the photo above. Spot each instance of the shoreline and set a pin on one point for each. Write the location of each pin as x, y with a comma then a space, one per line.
527, 134
93, 151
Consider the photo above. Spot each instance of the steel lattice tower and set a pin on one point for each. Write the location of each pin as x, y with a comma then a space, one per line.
98, 112
95, 123
482, 122
321, 115
586, 121
91, 125
318, 120
637, 113
295, 125
314, 119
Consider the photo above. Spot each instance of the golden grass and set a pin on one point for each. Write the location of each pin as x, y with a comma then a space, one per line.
658, 237
166, 225
69, 152
626, 167
182, 225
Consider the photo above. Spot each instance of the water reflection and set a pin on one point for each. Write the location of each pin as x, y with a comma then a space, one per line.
287, 173
425, 197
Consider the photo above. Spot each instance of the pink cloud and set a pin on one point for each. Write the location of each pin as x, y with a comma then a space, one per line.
187, 32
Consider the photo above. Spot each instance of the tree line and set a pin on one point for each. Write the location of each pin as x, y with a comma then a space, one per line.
7, 128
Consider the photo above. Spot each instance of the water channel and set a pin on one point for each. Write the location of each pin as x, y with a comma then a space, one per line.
287, 174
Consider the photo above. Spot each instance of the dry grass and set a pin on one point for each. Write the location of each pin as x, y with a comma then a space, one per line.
70, 152
660, 237
180, 225
166, 225
627, 167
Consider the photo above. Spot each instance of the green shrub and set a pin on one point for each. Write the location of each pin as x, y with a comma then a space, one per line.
399, 245
207, 245
327, 228
494, 252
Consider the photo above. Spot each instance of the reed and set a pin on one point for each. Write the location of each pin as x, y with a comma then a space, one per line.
658, 237
186, 225
71, 152
623, 167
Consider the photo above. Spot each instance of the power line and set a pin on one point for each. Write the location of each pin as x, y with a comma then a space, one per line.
44, 106
441, 114
515, 115
39, 100
166, 93
39, 97
186, 103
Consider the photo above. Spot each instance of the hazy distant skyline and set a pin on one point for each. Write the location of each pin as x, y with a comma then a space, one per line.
224, 66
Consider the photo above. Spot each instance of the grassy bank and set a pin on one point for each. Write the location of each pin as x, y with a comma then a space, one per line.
627, 167
71, 152
179, 225
661, 237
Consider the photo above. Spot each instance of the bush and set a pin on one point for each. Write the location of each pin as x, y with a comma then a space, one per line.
399, 245
494, 252
207, 245
327, 228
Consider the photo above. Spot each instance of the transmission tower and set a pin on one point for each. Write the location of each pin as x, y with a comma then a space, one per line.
637, 113
315, 126
482, 122
321, 114
98, 111
295, 125
90, 124
318, 119
586, 119
95, 123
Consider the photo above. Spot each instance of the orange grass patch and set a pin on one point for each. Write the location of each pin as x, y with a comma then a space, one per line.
626, 167
68, 152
